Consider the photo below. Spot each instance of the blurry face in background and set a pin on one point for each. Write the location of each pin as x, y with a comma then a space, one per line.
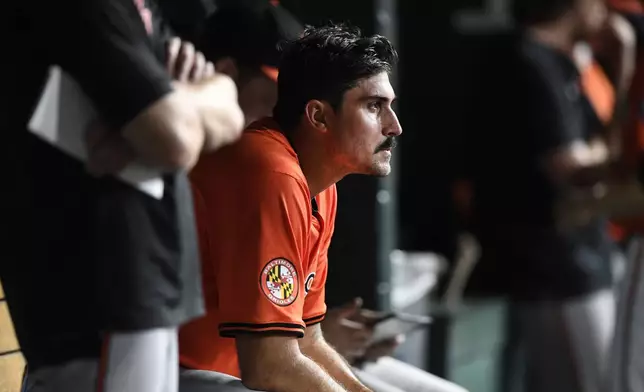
256, 92
363, 130
257, 95
590, 16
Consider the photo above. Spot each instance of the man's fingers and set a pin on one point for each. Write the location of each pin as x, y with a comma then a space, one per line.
209, 72
351, 308
186, 64
357, 331
369, 317
199, 67
363, 336
381, 349
174, 45
349, 324
186, 61
384, 348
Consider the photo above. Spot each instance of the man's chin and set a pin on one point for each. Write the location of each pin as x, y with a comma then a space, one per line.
380, 170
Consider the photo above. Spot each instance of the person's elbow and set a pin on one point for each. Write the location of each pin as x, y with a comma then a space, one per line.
265, 373
169, 134
257, 379
221, 114
181, 149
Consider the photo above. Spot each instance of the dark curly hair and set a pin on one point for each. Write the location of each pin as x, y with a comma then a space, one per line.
323, 64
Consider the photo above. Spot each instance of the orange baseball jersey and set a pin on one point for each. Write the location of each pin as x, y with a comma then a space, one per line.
264, 243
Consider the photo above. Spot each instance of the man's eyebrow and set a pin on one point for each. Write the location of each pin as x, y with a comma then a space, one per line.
377, 97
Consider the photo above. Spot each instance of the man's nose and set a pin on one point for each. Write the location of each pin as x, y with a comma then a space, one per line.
394, 128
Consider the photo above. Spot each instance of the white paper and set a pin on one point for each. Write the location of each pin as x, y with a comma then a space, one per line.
62, 117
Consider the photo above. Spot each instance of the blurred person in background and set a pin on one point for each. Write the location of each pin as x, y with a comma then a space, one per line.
627, 365
120, 266
243, 43
264, 273
533, 137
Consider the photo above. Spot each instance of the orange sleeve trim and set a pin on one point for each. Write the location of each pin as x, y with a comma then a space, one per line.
314, 320
228, 330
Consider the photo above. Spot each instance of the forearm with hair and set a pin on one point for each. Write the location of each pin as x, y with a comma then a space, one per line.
332, 362
299, 374
216, 103
276, 364
302, 374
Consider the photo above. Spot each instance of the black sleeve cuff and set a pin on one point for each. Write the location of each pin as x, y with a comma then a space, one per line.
314, 320
230, 330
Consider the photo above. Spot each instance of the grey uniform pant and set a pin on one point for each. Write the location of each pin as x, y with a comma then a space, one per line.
626, 373
567, 343
386, 375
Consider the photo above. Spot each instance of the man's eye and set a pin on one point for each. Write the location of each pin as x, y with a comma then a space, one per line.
374, 106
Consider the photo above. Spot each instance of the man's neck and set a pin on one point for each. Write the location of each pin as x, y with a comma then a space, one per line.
556, 35
317, 164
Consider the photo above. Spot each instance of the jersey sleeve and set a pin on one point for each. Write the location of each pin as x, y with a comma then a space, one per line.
315, 302
260, 255
104, 46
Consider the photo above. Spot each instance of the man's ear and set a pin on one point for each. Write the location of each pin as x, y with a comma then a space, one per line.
227, 66
316, 114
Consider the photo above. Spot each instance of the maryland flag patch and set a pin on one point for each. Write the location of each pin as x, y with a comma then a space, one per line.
279, 282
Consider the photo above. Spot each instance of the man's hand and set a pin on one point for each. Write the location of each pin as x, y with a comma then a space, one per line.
381, 349
108, 152
221, 113
215, 94
349, 329
185, 64
350, 338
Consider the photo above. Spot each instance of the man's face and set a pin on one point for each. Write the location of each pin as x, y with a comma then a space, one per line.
591, 16
257, 97
363, 129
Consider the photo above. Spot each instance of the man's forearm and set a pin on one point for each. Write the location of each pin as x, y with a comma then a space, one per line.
622, 200
299, 374
334, 364
221, 116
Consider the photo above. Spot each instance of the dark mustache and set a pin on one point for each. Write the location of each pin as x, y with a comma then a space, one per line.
389, 143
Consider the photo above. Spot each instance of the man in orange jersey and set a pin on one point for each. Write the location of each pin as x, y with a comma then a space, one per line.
266, 210
243, 43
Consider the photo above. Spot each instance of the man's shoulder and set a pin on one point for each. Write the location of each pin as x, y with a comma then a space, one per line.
261, 152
